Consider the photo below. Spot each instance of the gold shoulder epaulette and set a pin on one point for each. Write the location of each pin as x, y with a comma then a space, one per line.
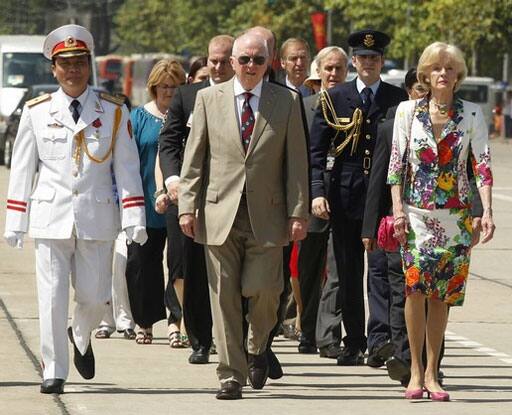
38, 100
111, 98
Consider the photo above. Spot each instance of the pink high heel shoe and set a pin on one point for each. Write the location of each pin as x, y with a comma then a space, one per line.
438, 396
414, 394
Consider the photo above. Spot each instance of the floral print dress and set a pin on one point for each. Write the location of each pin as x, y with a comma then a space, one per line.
437, 194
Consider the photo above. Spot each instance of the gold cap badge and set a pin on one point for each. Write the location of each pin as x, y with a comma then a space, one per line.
368, 40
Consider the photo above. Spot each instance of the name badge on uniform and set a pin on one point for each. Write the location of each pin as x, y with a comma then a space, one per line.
189, 121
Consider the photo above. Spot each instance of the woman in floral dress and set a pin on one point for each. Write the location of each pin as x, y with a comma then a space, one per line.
432, 140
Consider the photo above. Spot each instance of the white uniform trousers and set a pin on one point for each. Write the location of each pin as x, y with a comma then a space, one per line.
89, 263
119, 315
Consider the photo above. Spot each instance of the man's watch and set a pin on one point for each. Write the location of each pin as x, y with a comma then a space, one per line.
160, 192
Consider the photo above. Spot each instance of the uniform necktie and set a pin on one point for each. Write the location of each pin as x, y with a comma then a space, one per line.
75, 104
247, 121
367, 99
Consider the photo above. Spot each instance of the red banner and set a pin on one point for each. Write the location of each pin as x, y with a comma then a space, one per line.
319, 29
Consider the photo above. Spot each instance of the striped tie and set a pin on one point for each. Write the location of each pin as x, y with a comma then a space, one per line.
247, 121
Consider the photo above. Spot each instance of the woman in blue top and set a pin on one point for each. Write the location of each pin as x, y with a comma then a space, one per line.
144, 269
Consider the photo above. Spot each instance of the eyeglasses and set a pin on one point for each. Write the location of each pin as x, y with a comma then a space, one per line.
257, 60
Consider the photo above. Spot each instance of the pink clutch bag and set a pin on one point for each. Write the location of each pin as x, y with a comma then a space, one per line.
385, 235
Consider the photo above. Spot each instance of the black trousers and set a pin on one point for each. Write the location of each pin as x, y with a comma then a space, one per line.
349, 254
311, 264
196, 297
283, 299
398, 330
145, 278
186, 260
379, 297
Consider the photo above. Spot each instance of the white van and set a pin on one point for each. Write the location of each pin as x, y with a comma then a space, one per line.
22, 65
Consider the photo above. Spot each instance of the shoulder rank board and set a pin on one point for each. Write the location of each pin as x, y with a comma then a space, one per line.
38, 100
110, 98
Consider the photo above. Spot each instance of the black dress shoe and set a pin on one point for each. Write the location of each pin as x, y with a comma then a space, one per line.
52, 386
230, 390
275, 371
258, 369
379, 355
331, 351
199, 356
83, 363
350, 357
398, 369
306, 346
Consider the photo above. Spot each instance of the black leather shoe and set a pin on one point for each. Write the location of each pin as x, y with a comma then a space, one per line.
199, 356
306, 346
275, 371
398, 369
83, 363
258, 369
331, 351
350, 357
52, 386
230, 390
379, 355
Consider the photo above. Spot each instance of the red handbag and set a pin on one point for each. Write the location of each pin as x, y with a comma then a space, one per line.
385, 235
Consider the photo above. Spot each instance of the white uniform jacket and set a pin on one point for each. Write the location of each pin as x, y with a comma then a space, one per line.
64, 195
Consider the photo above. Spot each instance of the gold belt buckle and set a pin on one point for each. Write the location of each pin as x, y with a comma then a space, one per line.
367, 161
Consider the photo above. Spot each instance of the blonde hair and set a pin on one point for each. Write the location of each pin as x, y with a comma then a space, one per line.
165, 68
432, 54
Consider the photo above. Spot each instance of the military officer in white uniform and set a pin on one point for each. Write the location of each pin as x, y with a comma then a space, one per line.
72, 148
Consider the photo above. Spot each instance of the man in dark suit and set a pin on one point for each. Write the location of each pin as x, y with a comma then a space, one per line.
388, 309
331, 66
173, 137
351, 113
295, 58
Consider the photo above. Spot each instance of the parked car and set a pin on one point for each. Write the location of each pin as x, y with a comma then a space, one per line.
14, 119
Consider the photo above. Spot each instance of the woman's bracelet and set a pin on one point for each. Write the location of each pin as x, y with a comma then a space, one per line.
399, 218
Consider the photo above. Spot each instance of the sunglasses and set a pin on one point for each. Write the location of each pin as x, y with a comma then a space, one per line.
257, 60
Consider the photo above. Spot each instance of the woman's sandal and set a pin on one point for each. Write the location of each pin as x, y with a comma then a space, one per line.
144, 337
175, 340
185, 342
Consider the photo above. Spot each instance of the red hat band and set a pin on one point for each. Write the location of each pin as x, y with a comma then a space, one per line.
68, 45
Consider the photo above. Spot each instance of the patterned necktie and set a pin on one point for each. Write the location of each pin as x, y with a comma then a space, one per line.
247, 121
75, 104
367, 99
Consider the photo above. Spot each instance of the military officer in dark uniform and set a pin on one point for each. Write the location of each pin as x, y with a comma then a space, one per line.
348, 118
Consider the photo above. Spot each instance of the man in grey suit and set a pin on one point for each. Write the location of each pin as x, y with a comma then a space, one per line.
244, 195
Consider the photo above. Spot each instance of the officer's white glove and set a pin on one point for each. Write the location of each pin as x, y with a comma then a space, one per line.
136, 234
14, 239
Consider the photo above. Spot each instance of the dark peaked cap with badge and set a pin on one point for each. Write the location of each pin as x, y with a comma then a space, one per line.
368, 42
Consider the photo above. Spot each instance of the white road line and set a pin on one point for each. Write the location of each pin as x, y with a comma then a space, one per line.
502, 197
477, 347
